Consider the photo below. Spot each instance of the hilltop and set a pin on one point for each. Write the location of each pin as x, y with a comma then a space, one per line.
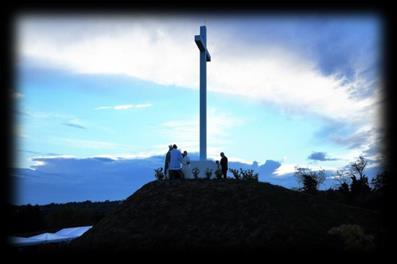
222, 214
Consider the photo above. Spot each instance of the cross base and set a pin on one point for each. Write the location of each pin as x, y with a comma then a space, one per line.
202, 165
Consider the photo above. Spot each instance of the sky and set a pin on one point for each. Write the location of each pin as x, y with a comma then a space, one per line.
112, 92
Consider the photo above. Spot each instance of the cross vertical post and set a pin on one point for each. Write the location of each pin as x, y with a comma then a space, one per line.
201, 41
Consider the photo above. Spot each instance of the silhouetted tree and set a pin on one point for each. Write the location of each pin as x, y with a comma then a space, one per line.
309, 179
359, 185
344, 181
379, 182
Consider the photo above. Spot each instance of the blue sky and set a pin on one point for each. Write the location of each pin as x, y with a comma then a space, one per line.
298, 90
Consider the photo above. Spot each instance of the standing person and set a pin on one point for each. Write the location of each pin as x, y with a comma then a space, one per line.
167, 160
224, 164
176, 159
186, 165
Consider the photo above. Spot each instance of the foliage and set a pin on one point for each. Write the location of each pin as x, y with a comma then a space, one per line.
208, 173
342, 177
354, 188
26, 218
236, 173
52, 217
359, 185
248, 175
344, 188
309, 179
353, 237
195, 172
379, 182
218, 174
159, 174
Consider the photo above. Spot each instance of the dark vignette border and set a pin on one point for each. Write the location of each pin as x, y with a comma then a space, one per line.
173, 8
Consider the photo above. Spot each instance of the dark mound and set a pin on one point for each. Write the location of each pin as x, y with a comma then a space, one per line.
228, 214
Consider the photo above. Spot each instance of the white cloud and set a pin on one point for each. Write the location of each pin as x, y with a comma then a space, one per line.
163, 51
285, 169
37, 163
124, 107
185, 133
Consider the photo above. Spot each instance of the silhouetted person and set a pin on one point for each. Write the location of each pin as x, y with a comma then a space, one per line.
167, 160
218, 166
224, 165
176, 159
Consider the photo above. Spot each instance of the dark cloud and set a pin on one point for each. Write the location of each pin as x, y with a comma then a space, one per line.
74, 125
320, 156
40, 153
343, 134
60, 179
354, 141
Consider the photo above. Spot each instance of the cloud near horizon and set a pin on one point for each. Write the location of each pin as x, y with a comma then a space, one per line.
124, 107
64, 179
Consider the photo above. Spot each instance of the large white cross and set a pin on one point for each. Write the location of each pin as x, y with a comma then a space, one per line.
201, 41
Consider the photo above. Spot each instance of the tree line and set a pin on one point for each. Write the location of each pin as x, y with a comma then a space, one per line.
26, 220
353, 185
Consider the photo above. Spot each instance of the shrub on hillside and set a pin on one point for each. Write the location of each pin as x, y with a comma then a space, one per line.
208, 173
249, 175
159, 174
236, 173
195, 172
218, 174
353, 237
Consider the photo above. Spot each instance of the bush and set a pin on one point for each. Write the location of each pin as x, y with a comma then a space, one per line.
353, 237
359, 186
158, 173
236, 173
379, 182
195, 172
344, 188
208, 173
218, 174
249, 175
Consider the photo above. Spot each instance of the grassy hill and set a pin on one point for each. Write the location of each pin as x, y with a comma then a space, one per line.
224, 214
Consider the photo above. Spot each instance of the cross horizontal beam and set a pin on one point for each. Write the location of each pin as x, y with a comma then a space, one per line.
200, 44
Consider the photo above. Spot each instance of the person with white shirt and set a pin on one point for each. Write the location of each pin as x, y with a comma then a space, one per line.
175, 165
186, 165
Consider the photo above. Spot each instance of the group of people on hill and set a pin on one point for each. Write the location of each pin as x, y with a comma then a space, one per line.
177, 164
